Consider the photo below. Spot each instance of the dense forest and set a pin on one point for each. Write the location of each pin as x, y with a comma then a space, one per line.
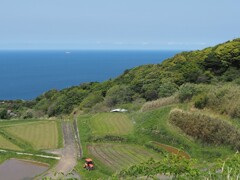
209, 77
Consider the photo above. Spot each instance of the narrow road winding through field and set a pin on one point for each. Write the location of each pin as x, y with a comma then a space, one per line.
68, 154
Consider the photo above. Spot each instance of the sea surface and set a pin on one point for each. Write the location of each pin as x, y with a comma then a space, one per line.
28, 74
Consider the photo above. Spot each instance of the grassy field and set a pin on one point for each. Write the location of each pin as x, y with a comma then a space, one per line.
110, 123
42, 135
119, 156
154, 126
6, 144
109, 157
151, 128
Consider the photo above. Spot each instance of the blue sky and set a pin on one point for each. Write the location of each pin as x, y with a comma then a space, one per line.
117, 24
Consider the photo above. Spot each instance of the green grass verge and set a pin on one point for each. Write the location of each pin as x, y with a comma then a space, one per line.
60, 134
9, 155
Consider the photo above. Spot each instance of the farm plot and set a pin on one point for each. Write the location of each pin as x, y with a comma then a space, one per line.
111, 123
172, 149
118, 156
42, 135
5, 144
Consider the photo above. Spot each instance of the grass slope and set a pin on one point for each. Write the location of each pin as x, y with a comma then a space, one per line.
110, 123
154, 126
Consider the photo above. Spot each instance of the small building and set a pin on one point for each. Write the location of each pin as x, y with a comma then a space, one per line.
119, 110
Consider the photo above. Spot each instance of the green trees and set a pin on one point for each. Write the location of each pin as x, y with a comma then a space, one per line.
92, 99
3, 113
178, 74
186, 92
167, 89
118, 94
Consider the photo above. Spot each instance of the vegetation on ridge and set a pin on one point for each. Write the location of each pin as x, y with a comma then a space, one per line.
144, 83
202, 85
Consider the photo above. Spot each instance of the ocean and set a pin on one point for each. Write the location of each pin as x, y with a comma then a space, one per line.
27, 74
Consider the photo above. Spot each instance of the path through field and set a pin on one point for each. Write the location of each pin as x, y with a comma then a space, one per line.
68, 154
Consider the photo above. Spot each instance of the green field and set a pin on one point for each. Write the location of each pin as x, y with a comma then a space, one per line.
139, 130
110, 156
6, 144
154, 126
9, 123
42, 135
110, 123
119, 156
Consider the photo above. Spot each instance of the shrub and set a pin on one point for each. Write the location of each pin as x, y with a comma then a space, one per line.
159, 103
171, 165
167, 89
225, 99
151, 94
118, 94
186, 92
92, 99
175, 167
201, 101
108, 138
3, 114
28, 114
207, 129
100, 107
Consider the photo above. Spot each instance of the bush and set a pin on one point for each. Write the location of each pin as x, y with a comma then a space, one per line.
28, 114
150, 95
3, 114
225, 99
208, 130
186, 92
100, 107
118, 94
108, 138
159, 103
91, 100
167, 89
201, 101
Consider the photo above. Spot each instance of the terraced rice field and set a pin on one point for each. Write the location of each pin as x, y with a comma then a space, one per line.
111, 123
6, 144
118, 156
43, 135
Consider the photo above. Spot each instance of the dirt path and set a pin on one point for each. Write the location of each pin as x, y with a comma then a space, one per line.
68, 154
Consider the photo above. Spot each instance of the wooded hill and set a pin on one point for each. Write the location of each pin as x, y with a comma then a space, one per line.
195, 73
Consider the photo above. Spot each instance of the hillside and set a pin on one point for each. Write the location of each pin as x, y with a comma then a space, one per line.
212, 65
183, 115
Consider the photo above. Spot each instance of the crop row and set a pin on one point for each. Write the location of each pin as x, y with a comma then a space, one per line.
118, 156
